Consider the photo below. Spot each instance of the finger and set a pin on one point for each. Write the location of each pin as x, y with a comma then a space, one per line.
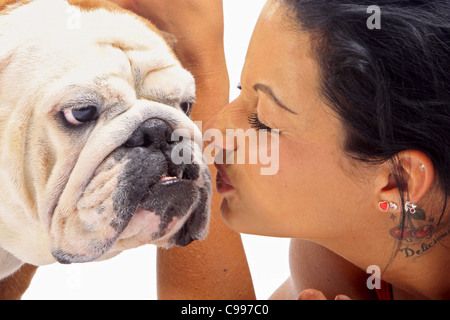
342, 297
311, 294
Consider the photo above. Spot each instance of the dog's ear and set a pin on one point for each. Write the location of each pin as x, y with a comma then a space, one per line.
170, 38
5, 3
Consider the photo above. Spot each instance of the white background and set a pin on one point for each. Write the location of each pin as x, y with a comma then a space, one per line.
132, 274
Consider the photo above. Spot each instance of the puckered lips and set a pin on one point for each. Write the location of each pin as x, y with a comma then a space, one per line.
223, 182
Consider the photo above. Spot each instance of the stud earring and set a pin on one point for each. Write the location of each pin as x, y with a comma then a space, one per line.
393, 206
414, 211
422, 167
386, 205
411, 207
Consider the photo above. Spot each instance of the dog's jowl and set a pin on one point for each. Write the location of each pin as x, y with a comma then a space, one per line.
87, 115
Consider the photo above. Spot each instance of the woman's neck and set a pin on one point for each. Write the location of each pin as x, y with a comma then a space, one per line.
421, 269
415, 269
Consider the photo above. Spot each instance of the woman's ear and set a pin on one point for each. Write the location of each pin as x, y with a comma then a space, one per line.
417, 172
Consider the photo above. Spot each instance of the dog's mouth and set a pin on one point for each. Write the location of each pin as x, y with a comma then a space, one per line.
137, 196
181, 204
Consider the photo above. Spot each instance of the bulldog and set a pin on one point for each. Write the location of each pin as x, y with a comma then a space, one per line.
94, 119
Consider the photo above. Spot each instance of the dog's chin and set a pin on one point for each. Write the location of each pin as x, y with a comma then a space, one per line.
169, 227
172, 210
129, 203
173, 213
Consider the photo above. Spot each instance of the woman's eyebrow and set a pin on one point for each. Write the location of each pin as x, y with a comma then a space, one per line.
268, 91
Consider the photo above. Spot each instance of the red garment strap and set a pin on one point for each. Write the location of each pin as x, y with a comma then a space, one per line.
385, 291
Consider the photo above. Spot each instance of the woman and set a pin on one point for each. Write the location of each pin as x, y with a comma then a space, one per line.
358, 98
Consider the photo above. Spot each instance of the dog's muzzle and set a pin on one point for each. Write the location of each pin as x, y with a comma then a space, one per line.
140, 194
157, 137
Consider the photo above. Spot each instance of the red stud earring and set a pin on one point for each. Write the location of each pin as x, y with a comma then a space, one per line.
386, 205
383, 205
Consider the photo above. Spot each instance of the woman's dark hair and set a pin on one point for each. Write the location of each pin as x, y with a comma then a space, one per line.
389, 85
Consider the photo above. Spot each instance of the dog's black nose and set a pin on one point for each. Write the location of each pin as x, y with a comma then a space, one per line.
153, 133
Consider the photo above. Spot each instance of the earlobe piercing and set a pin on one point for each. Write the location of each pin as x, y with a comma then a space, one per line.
385, 205
393, 206
411, 207
422, 167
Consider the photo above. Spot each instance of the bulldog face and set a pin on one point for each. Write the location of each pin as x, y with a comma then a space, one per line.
94, 120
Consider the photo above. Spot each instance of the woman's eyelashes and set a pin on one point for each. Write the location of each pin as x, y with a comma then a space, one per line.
253, 120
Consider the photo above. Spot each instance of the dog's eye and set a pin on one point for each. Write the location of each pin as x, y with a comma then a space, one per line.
186, 107
81, 115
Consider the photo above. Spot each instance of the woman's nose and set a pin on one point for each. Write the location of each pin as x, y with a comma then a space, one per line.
215, 137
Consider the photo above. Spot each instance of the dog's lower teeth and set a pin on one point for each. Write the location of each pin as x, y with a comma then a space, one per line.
164, 179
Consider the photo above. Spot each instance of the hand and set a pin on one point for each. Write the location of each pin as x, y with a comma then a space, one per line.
313, 294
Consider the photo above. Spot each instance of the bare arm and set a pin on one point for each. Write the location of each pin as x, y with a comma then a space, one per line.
317, 273
215, 268
14, 286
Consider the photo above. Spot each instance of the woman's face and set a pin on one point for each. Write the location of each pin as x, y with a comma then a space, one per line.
313, 194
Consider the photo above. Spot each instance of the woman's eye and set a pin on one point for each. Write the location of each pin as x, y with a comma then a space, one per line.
186, 107
256, 124
81, 115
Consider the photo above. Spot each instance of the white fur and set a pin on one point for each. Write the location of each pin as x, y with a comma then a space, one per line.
8, 264
44, 62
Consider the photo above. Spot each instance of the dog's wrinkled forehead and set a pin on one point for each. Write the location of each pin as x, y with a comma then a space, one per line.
120, 45
156, 73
